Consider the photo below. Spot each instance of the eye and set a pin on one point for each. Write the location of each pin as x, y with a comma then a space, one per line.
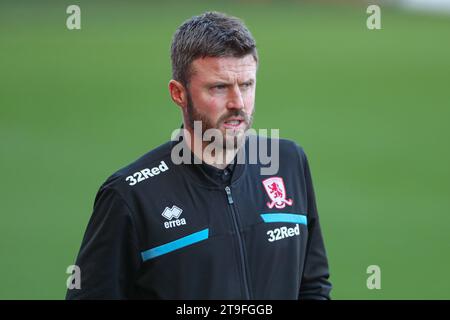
218, 88
246, 85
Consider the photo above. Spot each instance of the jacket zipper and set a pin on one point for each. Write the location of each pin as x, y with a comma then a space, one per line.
240, 241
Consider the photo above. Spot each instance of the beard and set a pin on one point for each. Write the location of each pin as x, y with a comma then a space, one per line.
230, 138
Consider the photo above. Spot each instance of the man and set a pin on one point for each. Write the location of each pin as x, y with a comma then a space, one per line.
211, 226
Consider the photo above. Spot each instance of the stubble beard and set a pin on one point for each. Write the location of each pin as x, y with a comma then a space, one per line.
230, 139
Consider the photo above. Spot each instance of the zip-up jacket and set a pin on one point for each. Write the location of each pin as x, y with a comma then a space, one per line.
161, 230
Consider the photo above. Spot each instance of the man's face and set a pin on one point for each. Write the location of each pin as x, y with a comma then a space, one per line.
221, 94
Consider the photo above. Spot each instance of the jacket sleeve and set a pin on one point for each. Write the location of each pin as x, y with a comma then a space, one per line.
109, 257
315, 284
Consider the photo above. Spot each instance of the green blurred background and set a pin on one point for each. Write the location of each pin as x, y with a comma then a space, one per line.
371, 109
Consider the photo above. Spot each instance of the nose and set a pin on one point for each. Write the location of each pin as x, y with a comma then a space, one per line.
235, 99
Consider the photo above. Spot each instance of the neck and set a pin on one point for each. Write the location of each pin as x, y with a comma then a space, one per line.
215, 156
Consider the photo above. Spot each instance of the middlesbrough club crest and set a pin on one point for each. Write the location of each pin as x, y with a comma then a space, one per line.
277, 193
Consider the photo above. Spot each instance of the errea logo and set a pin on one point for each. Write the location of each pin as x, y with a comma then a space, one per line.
171, 213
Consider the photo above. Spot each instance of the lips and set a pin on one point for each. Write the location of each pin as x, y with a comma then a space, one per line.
233, 123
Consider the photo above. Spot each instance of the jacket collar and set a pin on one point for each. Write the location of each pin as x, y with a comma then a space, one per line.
209, 176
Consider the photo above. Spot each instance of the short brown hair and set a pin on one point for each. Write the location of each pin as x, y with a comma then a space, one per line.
212, 34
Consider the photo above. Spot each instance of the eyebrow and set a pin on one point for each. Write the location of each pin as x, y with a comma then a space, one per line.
226, 83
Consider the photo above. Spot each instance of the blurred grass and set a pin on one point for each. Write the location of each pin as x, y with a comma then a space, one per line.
371, 109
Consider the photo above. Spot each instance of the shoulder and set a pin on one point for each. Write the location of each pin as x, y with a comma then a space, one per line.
285, 147
149, 165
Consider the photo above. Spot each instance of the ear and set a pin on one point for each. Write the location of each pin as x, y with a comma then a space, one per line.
178, 93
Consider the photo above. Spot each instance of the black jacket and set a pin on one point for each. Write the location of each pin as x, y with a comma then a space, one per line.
166, 231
